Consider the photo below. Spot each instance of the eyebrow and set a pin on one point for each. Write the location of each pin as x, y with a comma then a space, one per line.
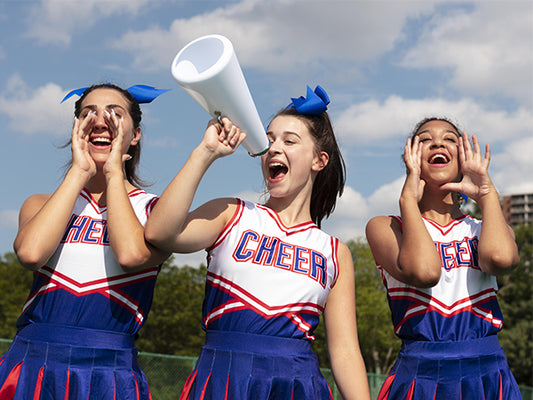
270, 133
447, 131
94, 106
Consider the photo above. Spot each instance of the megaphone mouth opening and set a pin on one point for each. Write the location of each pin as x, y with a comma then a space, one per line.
201, 59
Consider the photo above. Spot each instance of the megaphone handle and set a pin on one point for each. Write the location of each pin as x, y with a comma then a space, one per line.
260, 154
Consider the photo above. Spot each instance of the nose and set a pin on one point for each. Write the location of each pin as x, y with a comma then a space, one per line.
437, 142
274, 147
100, 121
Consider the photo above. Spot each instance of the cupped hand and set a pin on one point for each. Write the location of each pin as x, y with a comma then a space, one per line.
414, 185
116, 159
474, 167
81, 158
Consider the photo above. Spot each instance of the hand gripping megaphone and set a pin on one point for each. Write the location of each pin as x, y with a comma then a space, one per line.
208, 69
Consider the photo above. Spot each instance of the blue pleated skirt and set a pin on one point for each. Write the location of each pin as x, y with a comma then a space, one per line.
239, 366
470, 370
47, 362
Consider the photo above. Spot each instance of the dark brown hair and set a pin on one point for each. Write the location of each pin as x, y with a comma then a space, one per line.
429, 119
329, 182
136, 115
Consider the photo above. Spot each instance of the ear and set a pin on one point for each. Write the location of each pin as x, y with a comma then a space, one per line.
320, 162
136, 136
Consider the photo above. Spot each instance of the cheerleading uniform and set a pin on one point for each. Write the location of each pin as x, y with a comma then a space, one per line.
266, 286
75, 337
449, 332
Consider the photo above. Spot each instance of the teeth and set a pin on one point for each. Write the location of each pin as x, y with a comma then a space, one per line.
439, 157
276, 164
101, 140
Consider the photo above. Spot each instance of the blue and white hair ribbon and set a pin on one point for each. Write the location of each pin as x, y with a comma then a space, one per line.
465, 198
315, 103
141, 93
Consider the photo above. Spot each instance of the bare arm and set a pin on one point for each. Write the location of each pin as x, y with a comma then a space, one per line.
408, 254
341, 328
126, 233
171, 226
44, 218
497, 249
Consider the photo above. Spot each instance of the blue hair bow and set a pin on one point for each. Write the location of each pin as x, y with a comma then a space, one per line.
315, 103
465, 198
141, 93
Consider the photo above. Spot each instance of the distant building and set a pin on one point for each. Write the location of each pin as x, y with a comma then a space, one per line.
518, 209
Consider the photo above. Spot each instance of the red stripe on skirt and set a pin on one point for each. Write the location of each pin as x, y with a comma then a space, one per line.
411, 392
39, 384
187, 387
385, 388
205, 387
227, 385
136, 387
7, 391
68, 384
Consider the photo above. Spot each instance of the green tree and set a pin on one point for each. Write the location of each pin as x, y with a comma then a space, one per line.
516, 303
174, 325
15, 284
379, 345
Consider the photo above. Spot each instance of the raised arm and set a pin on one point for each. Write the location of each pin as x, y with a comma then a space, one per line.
347, 362
406, 252
497, 249
44, 218
126, 233
171, 226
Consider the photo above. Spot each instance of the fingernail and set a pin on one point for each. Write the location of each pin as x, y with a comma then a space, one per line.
128, 158
107, 113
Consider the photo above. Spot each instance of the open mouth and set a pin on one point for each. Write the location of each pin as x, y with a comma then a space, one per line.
439, 158
277, 170
100, 141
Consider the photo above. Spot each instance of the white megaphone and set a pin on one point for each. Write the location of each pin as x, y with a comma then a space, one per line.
207, 68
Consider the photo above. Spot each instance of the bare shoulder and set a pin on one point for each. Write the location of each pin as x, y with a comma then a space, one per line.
34, 203
380, 226
223, 207
344, 254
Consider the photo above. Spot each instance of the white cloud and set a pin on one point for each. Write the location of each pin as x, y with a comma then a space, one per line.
35, 111
9, 219
353, 211
54, 21
489, 49
191, 259
281, 35
517, 163
395, 117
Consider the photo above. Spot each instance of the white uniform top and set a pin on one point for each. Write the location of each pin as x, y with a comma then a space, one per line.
266, 278
462, 305
83, 284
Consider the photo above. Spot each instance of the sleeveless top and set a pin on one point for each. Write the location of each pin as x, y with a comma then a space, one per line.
82, 284
266, 278
463, 305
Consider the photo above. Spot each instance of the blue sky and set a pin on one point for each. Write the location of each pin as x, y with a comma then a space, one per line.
384, 64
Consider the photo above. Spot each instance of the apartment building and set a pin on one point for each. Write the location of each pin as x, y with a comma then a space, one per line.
518, 209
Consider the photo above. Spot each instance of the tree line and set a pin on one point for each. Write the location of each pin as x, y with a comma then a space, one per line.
174, 325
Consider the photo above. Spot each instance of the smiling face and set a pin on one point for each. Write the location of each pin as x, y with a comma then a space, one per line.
440, 161
102, 101
292, 161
